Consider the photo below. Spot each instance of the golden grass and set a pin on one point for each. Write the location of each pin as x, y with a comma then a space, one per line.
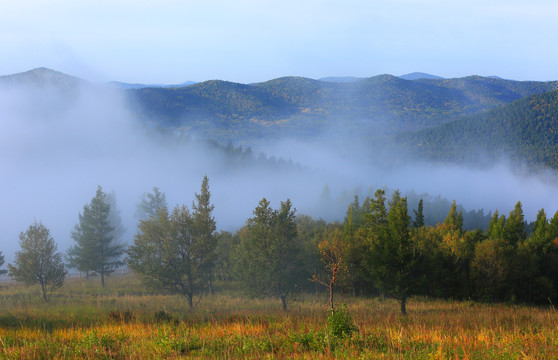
122, 321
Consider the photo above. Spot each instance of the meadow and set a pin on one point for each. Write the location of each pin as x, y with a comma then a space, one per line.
123, 320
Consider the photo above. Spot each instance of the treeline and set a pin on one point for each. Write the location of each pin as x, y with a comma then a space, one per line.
382, 248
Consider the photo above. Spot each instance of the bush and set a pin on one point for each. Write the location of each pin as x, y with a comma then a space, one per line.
340, 323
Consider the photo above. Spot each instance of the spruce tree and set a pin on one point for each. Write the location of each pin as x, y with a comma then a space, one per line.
267, 257
204, 232
515, 226
419, 216
95, 251
150, 204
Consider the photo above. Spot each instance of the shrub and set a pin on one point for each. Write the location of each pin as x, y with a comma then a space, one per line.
340, 323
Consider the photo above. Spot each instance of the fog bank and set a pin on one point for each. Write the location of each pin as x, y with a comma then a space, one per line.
57, 146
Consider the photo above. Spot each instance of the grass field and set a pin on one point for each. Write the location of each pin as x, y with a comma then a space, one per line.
123, 321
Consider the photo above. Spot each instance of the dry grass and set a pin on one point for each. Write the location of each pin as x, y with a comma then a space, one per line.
123, 321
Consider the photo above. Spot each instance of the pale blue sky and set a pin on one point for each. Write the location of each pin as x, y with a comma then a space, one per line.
246, 41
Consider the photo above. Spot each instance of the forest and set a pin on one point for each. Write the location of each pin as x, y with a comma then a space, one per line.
382, 248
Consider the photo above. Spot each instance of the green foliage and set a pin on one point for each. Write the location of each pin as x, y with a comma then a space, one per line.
267, 257
164, 253
38, 262
340, 323
96, 250
419, 215
394, 256
204, 227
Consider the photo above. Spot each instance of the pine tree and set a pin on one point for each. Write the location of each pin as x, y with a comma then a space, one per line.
95, 251
204, 232
38, 261
454, 220
515, 225
150, 203
419, 216
267, 258
394, 257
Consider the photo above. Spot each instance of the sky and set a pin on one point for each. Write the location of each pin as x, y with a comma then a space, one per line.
172, 41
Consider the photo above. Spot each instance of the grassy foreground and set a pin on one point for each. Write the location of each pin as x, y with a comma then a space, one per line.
122, 321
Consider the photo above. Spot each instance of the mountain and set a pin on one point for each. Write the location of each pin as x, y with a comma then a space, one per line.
419, 75
42, 77
525, 131
302, 107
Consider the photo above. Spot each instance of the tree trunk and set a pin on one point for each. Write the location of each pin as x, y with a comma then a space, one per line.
211, 287
43, 287
284, 302
102, 279
190, 298
403, 303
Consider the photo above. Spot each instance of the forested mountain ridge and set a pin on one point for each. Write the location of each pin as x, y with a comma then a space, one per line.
300, 106
526, 130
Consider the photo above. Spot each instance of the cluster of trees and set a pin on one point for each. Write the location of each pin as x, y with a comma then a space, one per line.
382, 248
96, 252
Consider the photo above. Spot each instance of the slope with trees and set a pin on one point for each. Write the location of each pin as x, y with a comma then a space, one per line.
526, 130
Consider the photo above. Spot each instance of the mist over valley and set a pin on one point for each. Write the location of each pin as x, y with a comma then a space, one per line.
316, 142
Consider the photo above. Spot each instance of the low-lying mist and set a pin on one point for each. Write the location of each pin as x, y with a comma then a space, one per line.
55, 148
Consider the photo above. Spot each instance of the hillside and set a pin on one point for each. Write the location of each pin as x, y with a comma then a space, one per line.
526, 130
301, 107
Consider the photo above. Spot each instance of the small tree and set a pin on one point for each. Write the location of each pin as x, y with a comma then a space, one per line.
38, 261
334, 251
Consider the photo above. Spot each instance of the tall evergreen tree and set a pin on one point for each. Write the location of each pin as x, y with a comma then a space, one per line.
454, 220
419, 216
394, 256
515, 225
95, 251
204, 232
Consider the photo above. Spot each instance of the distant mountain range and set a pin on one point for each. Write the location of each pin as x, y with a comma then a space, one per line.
123, 85
419, 75
450, 120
